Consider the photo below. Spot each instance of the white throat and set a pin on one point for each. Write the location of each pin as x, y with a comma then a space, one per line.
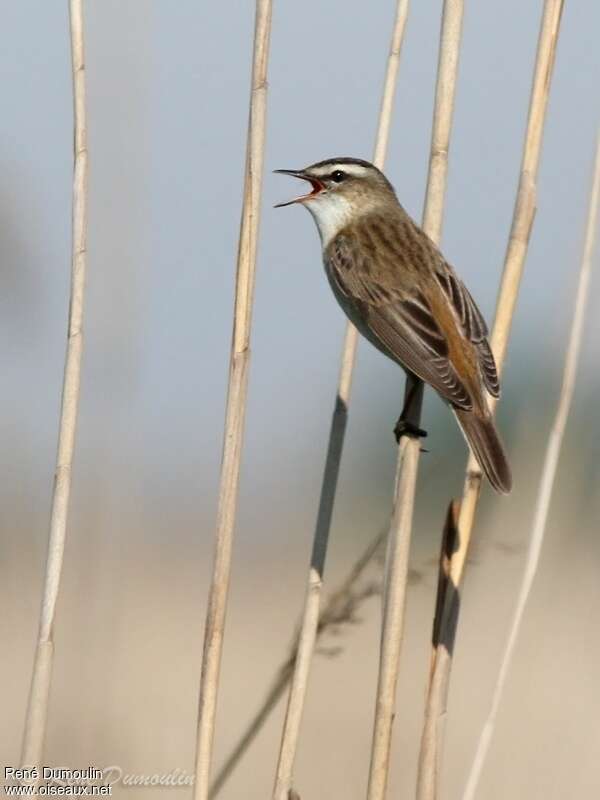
331, 212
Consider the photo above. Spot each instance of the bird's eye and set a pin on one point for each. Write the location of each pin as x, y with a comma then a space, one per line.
338, 176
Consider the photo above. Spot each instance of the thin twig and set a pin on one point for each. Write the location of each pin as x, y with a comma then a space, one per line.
340, 609
408, 455
547, 478
37, 710
296, 700
524, 212
236, 403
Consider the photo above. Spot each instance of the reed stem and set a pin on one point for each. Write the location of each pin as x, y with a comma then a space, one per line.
37, 709
547, 478
408, 454
448, 601
310, 615
236, 403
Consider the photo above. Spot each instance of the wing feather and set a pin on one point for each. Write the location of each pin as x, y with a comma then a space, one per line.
403, 327
473, 325
489, 372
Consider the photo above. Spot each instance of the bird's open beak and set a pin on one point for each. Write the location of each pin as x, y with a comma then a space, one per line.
316, 184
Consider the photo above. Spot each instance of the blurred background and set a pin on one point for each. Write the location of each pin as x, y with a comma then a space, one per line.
167, 97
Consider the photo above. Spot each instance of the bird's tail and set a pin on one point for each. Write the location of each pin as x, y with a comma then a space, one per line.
482, 436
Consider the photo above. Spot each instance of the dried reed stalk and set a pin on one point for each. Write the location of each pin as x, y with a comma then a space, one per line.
37, 709
310, 617
408, 455
236, 403
547, 478
524, 211
340, 609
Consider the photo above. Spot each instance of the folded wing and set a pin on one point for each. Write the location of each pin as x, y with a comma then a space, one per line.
402, 327
473, 325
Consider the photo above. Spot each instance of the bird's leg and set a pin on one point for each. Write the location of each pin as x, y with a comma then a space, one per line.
407, 424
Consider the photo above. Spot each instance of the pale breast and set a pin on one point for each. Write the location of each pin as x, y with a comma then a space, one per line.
355, 310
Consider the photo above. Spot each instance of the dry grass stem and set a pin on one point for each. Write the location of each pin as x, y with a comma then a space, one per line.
37, 710
408, 454
524, 211
444, 630
310, 614
393, 619
546, 481
236, 403
310, 617
339, 610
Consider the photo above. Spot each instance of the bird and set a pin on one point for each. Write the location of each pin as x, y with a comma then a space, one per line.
398, 290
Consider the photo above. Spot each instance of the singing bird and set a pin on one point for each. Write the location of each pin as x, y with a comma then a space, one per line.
399, 291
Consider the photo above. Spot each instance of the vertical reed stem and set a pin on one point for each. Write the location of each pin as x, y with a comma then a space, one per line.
547, 478
236, 403
310, 615
408, 455
524, 212
37, 709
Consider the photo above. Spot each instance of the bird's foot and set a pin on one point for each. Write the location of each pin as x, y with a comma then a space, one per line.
406, 428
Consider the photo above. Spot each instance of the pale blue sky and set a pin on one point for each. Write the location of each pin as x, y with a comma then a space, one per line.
167, 97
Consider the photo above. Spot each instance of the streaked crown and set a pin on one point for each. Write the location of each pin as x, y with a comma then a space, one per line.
349, 171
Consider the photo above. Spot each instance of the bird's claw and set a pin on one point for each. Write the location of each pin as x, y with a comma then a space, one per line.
405, 428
